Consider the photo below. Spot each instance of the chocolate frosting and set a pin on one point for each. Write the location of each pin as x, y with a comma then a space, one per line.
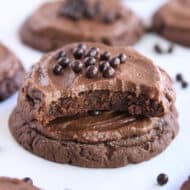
55, 31
138, 75
173, 21
14, 184
8, 63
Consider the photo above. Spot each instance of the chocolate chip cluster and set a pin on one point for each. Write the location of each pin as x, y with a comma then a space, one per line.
78, 9
90, 60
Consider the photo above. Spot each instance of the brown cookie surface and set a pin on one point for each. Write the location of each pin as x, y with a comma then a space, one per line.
11, 73
15, 184
58, 23
172, 21
106, 141
186, 185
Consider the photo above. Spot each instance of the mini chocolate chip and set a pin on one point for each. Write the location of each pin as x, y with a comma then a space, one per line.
158, 49
103, 65
171, 48
162, 179
94, 113
184, 84
60, 54
179, 77
57, 70
78, 53
63, 61
105, 56
28, 180
82, 46
77, 66
122, 57
93, 52
115, 62
91, 71
90, 13
109, 18
109, 72
89, 61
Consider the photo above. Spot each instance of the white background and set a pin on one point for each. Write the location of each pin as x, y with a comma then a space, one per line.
175, 161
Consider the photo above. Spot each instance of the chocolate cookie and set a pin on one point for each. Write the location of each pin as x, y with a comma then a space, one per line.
58, 23
15, 184
172, 21
95, 106
186, 185
65, 83
11, 73
106, 141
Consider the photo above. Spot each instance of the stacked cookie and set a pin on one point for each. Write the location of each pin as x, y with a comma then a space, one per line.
93, 105
58, 23
172, 21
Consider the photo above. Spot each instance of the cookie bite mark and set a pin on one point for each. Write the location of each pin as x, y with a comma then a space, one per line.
54, 24
103, 78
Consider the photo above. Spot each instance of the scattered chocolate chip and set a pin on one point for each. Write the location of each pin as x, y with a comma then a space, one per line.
78, 53
57, 70
90, 13
94, 113
162, 179
171, 48
28, 180
109, 18
103, 65
122, 57
179, 77
89, 61
93, 52
63, 61
105, 56
115, 62
77, 66
184, 84
158, 49
82, 46
109, 72
60, 54
91, 71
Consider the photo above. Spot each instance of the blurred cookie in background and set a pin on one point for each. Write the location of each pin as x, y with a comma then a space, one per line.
11, 73
172, 21
58, 23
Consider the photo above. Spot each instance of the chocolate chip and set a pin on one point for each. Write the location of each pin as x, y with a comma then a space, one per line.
57, 70
90, 13
78, 53
115, 62
158, 49
109, 72
162, 179
109, 18
82, 46
184, 84
63, 61
122, 57
91, 71
103, 65
77, 66
93, 52
171, 48
28, 180
89, 61
60, 54
94, 113
179, 77
105, 56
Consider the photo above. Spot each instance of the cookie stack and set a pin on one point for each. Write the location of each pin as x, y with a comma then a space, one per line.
97, 106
